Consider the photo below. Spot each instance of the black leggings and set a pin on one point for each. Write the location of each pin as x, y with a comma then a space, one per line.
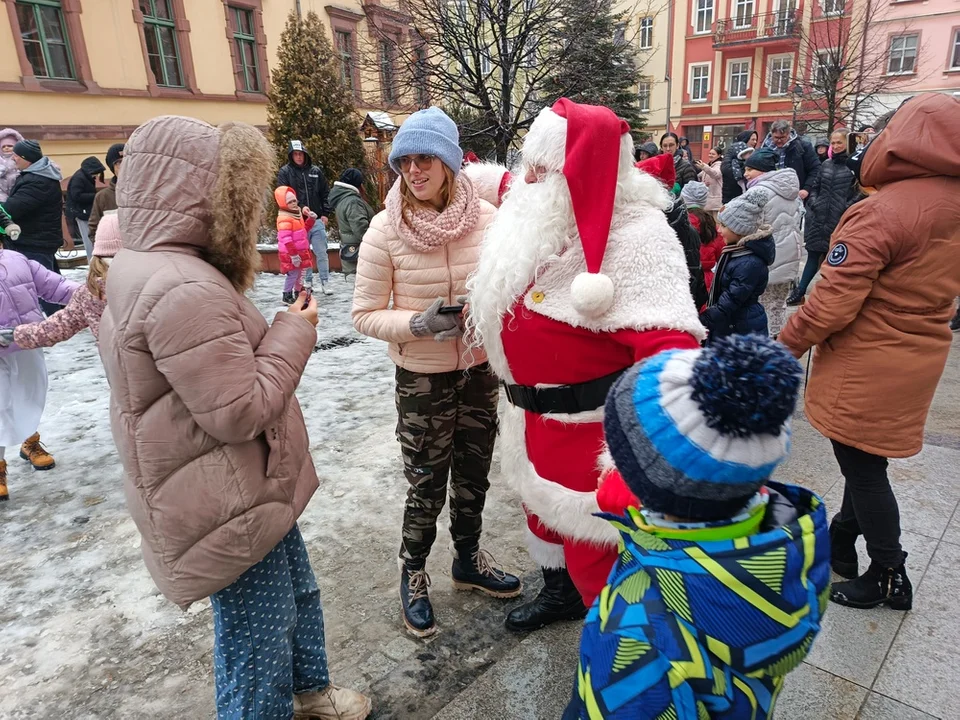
814, 261
869, 506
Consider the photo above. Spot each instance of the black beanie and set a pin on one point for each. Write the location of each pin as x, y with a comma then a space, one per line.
28, 150
113, 154
763, 160
352, 176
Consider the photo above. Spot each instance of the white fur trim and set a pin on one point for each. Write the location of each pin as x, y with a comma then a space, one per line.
565, 511
487, 179
644, 261
753, 451
592, 294
545, 554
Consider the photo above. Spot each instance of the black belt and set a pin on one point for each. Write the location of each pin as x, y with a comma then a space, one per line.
569, 399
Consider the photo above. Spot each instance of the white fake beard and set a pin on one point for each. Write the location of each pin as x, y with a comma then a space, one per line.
534, 224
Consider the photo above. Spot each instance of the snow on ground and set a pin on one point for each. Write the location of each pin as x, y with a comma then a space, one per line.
87, 635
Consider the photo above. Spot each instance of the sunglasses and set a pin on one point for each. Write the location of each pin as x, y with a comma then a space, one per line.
424, 162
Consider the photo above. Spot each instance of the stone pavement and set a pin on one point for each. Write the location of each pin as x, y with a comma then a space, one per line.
865, 665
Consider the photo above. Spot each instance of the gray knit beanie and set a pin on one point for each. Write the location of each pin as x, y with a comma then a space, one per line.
428, 132
694, 194
744, 214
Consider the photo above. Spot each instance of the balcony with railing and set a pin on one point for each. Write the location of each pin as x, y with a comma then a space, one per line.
781, 26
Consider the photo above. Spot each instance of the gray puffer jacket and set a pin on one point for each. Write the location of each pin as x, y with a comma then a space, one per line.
783, 213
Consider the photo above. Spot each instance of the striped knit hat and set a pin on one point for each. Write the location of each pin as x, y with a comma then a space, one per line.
696, 433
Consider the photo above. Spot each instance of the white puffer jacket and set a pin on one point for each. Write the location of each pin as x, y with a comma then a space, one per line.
390, 268
783, 213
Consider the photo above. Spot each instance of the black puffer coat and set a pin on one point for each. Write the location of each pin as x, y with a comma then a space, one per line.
742, 275
834, 190
731, 167
36, 205
82, 189
685, 170
690, 240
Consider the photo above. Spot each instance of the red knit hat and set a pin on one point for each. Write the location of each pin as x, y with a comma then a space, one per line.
591, 167
661, 167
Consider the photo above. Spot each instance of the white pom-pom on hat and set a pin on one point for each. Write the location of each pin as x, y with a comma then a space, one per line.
592, 294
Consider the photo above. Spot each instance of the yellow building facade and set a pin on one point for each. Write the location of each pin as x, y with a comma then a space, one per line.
80, 75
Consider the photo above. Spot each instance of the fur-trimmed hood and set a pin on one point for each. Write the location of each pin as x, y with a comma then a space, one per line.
761, 244
215, 207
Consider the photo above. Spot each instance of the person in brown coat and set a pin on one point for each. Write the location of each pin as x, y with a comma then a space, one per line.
878, 319
202, 408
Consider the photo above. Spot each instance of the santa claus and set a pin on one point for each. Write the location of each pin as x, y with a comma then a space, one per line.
579, 278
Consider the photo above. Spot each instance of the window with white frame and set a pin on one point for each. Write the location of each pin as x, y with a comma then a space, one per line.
486, 66
781, 73
620, 34
903, 54
703, 18
832, 7
955, 60
643, 95
646, 33
699, 82
743, 14
738, 78
825, 71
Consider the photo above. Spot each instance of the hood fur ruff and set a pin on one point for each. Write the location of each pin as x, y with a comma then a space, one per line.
216, 207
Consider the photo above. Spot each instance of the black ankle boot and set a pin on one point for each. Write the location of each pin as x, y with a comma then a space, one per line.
796, 297
473, 569
288, 298
415, 602
559, 600
843, 551
877, 586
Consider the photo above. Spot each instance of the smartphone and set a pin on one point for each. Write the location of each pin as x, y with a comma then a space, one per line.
451, 309
308, 291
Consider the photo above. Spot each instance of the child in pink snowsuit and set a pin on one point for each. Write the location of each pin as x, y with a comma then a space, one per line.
87, 304
293, 241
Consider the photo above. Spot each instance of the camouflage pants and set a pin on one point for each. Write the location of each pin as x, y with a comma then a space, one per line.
447, 427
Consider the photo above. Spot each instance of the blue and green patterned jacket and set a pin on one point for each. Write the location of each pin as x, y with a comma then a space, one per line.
704, 629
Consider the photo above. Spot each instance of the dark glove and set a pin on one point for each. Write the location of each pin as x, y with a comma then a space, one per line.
431, 322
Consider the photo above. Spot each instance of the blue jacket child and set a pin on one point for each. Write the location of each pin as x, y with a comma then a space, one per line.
723, 576
743, 269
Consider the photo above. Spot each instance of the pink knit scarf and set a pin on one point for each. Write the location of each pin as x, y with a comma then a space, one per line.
425, 229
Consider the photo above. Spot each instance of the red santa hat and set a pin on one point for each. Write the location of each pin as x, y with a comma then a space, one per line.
590, 161
661, 167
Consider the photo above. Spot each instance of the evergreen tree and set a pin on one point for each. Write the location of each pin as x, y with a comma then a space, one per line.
308, 102
600, 67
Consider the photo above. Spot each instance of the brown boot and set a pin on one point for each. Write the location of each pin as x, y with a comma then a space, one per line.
4, 493
34, 452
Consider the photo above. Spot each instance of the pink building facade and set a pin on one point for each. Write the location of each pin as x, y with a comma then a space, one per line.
922, 40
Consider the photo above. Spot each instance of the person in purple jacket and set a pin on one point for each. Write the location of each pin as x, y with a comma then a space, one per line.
23, 373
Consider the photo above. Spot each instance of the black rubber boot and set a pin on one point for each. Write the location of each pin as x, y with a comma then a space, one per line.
877, 586
473, 569
415, 602
288, 298
559, 600
796, 297
843, 552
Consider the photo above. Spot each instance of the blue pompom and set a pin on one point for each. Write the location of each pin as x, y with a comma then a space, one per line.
746, 385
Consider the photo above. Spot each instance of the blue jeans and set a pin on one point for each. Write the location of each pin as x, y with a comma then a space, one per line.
268, 636
318, 243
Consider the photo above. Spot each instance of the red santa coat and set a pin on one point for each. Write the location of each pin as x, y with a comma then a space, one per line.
554, 460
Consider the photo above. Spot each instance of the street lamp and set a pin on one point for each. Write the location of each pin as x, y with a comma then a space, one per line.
797, 93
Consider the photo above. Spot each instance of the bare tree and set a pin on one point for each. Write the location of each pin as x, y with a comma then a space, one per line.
849, 69
494, 63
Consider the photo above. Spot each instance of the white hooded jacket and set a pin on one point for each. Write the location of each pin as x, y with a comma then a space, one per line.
783, 212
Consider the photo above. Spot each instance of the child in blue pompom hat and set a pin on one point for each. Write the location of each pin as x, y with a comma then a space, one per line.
723, 575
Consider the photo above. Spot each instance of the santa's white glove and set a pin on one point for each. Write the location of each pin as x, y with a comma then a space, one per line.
6, 337
432, 322
295, 260
13, 231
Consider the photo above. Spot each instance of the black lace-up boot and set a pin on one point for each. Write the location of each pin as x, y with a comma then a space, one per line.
474, 569
559, 600
877, 586
415, 600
